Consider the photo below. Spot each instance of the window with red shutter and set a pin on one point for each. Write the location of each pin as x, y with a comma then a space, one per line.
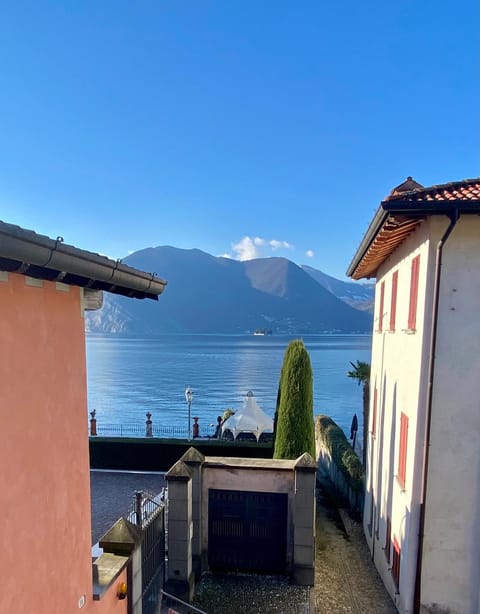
374, 413
412, 307
396, 562
393, 304
402, 456
388, 540
382, 305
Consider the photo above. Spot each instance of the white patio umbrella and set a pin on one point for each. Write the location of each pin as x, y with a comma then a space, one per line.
250, 419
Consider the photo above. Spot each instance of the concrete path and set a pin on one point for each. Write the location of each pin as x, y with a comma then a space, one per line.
346, 580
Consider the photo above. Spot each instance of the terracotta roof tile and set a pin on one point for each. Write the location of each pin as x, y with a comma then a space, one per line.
402, 211
467, 189
409, 185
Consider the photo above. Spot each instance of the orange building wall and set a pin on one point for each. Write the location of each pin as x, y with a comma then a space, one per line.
45, 557
109, 603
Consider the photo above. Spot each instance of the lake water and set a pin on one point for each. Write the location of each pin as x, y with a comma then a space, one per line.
129, 376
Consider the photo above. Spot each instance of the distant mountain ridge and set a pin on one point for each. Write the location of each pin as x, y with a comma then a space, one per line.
358, 295
209, 294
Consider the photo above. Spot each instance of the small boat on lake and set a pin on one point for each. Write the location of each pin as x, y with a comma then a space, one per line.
261, 332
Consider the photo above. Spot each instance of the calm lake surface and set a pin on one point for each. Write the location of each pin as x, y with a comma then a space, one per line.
129, 376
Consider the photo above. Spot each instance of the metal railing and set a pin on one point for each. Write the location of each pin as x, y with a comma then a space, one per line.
148, 512
182, 607
145, 506
106, 429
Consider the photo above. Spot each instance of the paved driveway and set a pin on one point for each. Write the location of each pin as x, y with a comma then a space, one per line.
112, 495
346, 580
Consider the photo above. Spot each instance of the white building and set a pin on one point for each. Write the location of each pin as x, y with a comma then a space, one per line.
422, 504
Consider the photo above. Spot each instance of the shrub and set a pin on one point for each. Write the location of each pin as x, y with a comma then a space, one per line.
294, 428
341, 451
227, 413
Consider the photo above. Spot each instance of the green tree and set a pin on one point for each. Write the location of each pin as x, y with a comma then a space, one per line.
361, 373
294, 427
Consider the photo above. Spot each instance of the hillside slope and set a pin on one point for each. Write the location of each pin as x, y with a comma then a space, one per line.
208, 294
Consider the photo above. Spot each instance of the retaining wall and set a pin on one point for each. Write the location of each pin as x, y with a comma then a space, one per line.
151, 454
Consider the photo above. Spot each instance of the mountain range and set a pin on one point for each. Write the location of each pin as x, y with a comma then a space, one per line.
209, 294
361, 296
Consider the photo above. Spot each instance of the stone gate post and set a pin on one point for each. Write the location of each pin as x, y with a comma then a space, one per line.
304, 521
180, 581
194, 459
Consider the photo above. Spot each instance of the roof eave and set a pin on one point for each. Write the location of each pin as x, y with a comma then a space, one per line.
375, 225
411, 210
26, 252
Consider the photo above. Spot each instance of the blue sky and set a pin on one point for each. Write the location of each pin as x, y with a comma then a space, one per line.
239, 127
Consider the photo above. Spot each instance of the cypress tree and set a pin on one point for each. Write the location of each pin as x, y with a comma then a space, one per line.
295, 431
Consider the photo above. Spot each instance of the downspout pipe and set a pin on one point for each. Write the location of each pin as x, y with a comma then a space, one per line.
454, 215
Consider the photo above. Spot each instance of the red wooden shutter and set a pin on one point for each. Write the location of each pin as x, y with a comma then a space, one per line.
382, 301
402, 456
412, 309
393, 305
396, 562
374, 412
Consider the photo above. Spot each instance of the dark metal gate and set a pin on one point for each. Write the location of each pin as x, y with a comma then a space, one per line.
150, 517
247, 530
153, 563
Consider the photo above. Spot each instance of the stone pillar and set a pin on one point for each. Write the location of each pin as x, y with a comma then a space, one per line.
148, 425
194, 459
93, 423
304, 521
196, 427
134, 581
181, 581
124, 538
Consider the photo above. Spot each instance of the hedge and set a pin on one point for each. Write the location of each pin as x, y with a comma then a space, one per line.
341, 452
154, 454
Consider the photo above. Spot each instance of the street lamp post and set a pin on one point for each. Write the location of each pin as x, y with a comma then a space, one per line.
188, 399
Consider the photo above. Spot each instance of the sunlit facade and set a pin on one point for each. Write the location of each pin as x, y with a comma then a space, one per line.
423, 455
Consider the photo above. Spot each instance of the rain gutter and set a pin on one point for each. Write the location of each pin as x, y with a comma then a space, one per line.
26, 252
454, 215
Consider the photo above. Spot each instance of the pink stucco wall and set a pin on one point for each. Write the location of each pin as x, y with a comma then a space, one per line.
45, 563
109, 603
